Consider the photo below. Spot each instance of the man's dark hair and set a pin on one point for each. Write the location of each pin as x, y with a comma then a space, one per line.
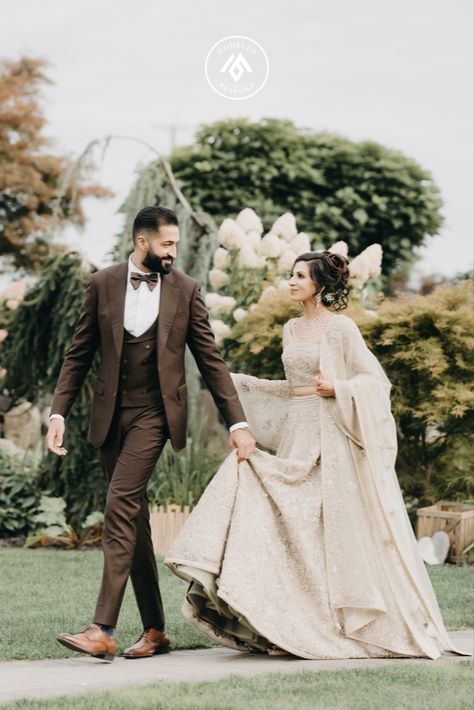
150, 219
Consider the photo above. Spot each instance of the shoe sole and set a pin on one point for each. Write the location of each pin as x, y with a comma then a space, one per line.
165, 649
109, 657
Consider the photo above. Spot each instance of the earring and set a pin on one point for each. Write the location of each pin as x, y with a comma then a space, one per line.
317, 300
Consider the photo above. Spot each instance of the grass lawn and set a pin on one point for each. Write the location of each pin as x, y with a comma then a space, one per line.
409, 688
45, 592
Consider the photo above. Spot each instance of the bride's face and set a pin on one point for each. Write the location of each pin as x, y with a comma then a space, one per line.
302, 286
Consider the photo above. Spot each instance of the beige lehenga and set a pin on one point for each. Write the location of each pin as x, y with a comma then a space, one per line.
307, 545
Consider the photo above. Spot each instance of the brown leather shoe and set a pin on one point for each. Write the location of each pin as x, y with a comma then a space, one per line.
150, 643
92, 641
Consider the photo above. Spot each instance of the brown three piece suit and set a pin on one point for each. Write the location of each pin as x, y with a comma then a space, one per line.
139, 402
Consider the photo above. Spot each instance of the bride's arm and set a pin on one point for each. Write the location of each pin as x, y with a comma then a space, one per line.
249, 383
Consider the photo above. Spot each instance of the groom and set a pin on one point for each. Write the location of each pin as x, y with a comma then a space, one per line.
141, 314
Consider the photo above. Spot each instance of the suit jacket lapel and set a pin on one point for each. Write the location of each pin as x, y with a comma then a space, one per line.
116, 291
168, 305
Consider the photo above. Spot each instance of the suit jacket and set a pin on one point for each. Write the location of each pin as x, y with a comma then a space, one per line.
183, 319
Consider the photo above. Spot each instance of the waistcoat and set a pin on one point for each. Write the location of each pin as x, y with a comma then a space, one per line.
139, 383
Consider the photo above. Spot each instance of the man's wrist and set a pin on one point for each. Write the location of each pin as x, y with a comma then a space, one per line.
239, 425
56, 416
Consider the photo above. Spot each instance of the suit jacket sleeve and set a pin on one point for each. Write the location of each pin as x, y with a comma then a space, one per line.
210, 362
79, 356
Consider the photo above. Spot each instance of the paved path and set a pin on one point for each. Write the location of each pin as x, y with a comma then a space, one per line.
50, 678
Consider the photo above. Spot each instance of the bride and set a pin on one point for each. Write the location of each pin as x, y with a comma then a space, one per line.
306, 548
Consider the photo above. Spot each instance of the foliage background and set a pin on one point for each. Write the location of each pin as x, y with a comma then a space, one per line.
360, 193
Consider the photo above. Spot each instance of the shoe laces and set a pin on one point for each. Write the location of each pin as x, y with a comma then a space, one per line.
146, 634
91, 627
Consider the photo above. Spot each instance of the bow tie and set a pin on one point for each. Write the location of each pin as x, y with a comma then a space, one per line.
151, 279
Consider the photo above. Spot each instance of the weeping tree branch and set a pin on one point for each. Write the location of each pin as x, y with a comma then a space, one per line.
75, 168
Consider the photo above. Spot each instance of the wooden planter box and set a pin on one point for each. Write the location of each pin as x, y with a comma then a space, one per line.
165, 523
457, 519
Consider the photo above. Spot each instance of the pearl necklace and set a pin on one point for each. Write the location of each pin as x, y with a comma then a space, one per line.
308, 327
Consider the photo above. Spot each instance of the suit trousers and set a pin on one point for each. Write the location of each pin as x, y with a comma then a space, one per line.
128, 456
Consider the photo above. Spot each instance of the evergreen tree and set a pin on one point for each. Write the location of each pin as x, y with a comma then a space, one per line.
39, 334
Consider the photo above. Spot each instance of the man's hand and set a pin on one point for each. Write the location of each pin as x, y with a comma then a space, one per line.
242, 440
54, 437
324, 389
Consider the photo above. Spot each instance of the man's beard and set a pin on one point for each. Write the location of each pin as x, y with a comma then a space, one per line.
155, 263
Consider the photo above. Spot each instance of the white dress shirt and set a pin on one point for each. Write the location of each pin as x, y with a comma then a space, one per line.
141, 305
141, 309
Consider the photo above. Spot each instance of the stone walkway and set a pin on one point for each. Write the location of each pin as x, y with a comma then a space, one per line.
79, 674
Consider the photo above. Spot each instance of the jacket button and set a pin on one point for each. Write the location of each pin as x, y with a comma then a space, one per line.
124, 361
148, 347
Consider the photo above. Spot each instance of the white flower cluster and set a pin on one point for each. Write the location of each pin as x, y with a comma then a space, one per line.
218, 278
281, 287
244, 236
221, 330
218, 304
339, 248
243, 243
14, 294
366, 265
3, 335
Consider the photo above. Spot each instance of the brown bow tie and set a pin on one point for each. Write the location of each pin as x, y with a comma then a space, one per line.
151, 279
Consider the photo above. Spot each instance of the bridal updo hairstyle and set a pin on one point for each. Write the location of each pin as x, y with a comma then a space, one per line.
331, 272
